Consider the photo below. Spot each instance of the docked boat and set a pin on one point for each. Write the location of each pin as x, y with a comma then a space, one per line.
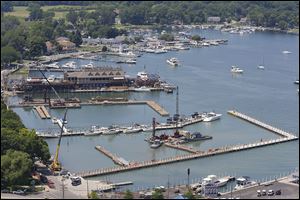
95, 130
130, 61
142, 75
297, 82
112, 130
212, 179
243, 182
54, 120
132, 129
173, 61
260, 67
89, 66
156, 144
51, 78
211, 116
70, 65
142, 89
53, 65
236, 69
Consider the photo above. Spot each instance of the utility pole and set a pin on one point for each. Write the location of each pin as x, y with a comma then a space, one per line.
63, 188
168, 188
188, 173
153, 127
87, 188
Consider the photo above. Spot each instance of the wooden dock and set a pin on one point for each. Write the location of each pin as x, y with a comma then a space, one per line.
181, 147
157, 108
40, 112
45, 111
261, 124
116, 159
200, 154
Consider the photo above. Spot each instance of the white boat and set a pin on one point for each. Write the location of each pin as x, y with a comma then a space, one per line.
173, 61
261, 67
89, 66
286, 52
132, 130
142, 89
51, 78
142, 75
243, 182
156, 144
131, 61
54, 120
211, 116
53, 65
212, 179
70, 65
158, 51
112, 130
297, 82
95, 131
235, 69
128, 54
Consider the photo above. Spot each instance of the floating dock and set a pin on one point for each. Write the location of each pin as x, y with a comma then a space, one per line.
157, 108
210, 152
181, 147
42, 111
116, 159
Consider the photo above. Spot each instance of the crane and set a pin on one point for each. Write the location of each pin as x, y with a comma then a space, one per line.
55, 165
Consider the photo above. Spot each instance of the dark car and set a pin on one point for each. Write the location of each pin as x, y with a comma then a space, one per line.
5, 191
278, 192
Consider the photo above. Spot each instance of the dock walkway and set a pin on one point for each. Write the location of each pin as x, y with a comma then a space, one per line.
157, 108
210, 152
181, 147
40, 112
116, 159
45, 111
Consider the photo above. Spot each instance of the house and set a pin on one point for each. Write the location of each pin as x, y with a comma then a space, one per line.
244, 20
117, 17
213, 19
50, 47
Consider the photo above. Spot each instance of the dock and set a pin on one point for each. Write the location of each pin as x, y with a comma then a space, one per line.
286, 137
116, 159
40, 111
261, 124
45, 111
157, 108
181, 147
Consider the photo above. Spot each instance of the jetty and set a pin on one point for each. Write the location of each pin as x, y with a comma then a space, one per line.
157, 108
42, 112
181, 147
286, 137
115, 158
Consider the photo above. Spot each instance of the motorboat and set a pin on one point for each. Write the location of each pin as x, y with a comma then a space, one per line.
142, 89
54, 120
130, 61
132, 129
211, 116
156, 144
89, 66
260, 67
173, 61
53, 65
95, 130
297, 82
142, 75
286, 52
69, 65
51, 78
243, 182
112, 130
212, 179
235, 69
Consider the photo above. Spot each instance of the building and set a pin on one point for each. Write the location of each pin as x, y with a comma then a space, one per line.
97, 77
213, 19
210, 190
66, 44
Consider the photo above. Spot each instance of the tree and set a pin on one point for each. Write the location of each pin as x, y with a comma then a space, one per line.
128, 195
157, 194
94, 195
196, 37
189, 194
72, 17
8, 55
35, 12
6, 6
15, 168
167, 37
36, 46
283, 25
104, 49
76, 38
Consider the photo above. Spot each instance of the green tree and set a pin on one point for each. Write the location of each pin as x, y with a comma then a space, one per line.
6, 6
196, 37
72, 17
189, 194
35, 12
93, 195
76, 38
15, 168
283, 25
157, 194
167, 37
8, 55
104, 49
128, 195
37, 46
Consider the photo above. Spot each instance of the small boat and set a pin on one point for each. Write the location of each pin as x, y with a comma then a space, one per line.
53, 65
132, 130
156, 144
142, 75
142, 89
261, 66
54, 120
212, 179
51, 78
173, 61
211, 116
286, 52
95, 130
235, 69
89, 66
243, 182
71, 65
130, 61
297, 82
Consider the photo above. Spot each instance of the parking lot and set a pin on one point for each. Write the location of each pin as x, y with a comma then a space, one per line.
288, 191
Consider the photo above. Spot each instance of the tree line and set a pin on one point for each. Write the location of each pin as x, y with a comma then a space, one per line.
20, 147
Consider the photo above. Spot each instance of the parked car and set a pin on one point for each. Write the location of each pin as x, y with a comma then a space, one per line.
264, 193
278, 192
5, 191
258, 193
76, 181
270, 193
19, 192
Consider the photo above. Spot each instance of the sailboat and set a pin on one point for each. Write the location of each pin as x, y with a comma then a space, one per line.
261, 66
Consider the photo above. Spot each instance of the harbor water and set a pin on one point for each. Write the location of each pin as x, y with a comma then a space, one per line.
205, 84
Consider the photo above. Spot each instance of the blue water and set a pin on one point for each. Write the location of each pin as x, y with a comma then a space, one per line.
205, 84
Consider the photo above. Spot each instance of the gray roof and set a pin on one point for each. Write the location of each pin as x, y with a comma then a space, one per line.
97, 72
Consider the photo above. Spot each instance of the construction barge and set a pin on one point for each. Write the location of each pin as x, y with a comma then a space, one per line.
285, 137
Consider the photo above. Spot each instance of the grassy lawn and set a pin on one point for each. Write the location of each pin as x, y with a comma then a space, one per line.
88, 48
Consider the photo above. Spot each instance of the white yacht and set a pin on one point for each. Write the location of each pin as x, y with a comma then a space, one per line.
53, 65
260, 67
71, 65
213, 179
132, 129
286, 52
95, 131
297, 82
243, 182
235, 69
89, 66
142, 75
173, 61
211, 116
142, 89
131, 61
51, 78
156, 144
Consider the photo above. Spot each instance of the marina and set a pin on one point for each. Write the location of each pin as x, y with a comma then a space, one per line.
210, 152
116, 159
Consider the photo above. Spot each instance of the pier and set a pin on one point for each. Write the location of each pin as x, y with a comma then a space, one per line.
157, 108
116, 159
42, 111
181, 147
286, 137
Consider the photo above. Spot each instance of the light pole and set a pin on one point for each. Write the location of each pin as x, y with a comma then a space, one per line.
188, 173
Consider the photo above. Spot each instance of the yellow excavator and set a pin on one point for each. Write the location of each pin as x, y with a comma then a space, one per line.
55, 165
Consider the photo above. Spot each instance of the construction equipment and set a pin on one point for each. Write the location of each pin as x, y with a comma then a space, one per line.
55, 165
